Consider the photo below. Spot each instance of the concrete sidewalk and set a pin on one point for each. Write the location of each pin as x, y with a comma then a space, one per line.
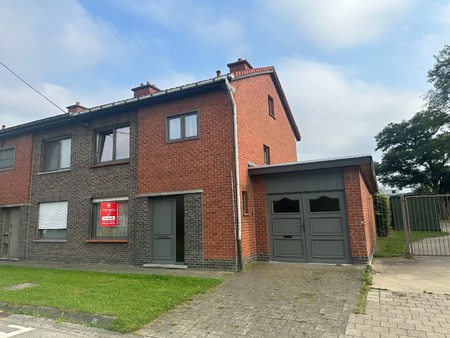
409, 298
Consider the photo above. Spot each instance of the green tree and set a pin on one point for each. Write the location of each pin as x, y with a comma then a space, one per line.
439, 76
416, 152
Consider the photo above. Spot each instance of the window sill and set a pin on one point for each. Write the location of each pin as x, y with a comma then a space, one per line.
182, 139
54, 171
106, 241
50, 241
109, 164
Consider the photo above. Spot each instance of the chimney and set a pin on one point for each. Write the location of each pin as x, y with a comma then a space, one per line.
75, 108
145, 89
3, 126
218, 73
239, 65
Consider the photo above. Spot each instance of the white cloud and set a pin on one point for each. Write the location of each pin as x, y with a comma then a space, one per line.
339, 115
199, 22
338, 23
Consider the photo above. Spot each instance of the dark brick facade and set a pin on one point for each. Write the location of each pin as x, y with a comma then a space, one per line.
79, 186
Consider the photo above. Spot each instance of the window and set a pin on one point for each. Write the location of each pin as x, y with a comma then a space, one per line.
182, 127
7, 158
53, 220
266, 155
57, 154
110, 218
271, 108
324, 204
113, 145
286, 205
245, 202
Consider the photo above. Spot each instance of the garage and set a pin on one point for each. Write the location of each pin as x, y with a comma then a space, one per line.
319, 212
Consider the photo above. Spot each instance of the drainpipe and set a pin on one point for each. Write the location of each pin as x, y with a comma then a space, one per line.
238, 185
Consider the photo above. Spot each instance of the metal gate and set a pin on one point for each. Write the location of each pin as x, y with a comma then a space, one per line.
426, 223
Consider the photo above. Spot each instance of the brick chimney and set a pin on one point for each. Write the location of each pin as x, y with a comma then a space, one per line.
145, 89
75, 108
239, 65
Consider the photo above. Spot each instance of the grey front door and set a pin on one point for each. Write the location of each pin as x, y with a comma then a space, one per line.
308, 227
164, 225
10, 233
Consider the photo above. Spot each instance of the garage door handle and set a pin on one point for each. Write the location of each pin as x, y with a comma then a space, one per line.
287, 236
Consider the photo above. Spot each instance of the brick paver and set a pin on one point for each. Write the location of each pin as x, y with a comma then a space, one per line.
402, 314
269, 300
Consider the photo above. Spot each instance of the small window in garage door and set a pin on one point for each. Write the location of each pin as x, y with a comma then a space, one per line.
285, 206
324, 204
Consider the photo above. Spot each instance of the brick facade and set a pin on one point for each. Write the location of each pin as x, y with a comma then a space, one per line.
360, 215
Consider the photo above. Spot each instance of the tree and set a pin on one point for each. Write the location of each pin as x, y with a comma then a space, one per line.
439, 76
416, 152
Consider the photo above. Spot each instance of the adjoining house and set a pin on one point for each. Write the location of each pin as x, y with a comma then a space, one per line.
201, 175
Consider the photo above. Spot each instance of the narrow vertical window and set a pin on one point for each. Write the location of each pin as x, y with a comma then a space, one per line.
271, 107
245, 202
266, 155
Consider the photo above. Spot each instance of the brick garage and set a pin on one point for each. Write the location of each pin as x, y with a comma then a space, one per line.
316, 211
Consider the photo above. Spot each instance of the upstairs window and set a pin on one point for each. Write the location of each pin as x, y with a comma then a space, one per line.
113, 145
7, 158
271, 107
182, 127
57, 154
266, 155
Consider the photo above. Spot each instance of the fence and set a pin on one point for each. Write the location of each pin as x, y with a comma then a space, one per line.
425, 219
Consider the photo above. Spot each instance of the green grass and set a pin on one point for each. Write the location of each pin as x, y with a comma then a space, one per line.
362, 299
134, 300
394, 244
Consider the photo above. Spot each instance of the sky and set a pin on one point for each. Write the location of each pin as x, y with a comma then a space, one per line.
348, 67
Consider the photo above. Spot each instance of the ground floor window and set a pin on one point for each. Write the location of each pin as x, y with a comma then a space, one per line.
110, 218
53, 220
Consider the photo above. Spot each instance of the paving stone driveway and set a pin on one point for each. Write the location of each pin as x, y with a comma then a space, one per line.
269, 300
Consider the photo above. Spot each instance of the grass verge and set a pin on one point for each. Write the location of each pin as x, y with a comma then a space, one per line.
134, 300
362, 298
393, 245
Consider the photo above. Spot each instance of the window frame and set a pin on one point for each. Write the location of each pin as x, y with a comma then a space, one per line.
271, 106
245, 201
13, 148
45, 144
41, 228
266, 156
96, 219
182, 117
104, 131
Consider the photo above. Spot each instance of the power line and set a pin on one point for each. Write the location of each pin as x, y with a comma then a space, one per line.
37, 91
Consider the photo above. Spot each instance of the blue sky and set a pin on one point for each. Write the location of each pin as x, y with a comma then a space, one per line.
348, 67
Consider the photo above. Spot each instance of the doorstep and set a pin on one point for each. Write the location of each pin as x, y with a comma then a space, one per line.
165, 266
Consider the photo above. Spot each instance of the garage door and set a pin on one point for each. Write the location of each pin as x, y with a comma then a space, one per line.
308, 227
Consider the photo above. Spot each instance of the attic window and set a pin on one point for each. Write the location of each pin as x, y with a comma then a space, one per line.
271, 107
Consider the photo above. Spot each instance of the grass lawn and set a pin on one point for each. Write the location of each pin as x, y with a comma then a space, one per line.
134, 299
394, 244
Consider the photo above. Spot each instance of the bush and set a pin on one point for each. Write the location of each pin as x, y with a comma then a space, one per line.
382, 214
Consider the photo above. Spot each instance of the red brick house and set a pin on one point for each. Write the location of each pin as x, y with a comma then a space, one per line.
201, 175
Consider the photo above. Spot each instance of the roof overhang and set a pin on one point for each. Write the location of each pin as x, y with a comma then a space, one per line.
127, 105
365, 164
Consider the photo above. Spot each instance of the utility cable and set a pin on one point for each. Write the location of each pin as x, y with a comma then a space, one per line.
37, 91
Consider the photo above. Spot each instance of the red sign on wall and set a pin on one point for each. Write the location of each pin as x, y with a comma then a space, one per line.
108, 214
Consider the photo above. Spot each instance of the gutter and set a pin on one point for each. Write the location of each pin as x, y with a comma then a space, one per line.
238, 185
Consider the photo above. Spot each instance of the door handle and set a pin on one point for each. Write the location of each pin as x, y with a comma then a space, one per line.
287, 236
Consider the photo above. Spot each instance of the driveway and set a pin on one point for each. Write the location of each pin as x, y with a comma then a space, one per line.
269, 300
409, 298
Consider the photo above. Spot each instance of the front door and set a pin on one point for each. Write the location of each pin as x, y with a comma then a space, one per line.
164, 227
10, 233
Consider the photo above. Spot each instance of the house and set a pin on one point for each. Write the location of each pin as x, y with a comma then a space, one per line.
201, 175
